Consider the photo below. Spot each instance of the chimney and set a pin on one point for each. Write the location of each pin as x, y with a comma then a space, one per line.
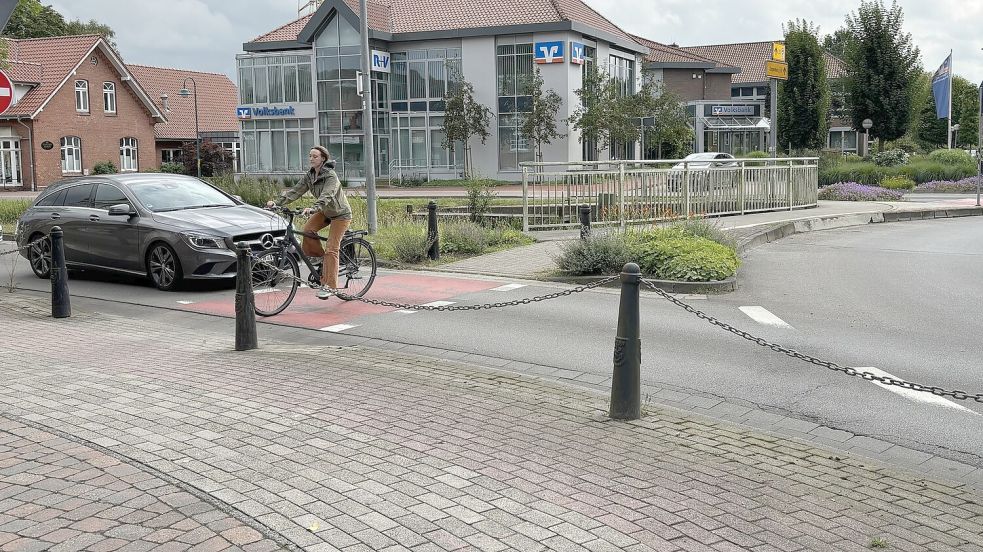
674, 45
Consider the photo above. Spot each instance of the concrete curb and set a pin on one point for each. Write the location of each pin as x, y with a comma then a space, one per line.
856, 219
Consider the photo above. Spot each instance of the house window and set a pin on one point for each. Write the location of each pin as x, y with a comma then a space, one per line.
10, 162
71, 154
515, 67
275, 79
170, 155
82, 96
128, 154
109, 97
236, 151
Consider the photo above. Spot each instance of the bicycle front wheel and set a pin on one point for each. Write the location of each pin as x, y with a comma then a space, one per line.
275, 278
356, 267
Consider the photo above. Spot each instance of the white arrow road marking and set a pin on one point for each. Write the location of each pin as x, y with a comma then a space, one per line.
761, 315
920, 396
339, 328
438, 304
508, 287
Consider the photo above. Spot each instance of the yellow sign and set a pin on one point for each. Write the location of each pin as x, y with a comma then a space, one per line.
778, 51
776, 70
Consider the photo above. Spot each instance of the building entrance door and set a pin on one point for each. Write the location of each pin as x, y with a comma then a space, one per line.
10, 169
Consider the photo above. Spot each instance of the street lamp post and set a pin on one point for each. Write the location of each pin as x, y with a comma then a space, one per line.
867, 124
955, 136
184, 93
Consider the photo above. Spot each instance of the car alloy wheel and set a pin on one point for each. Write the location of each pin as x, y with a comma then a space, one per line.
39, 255
164, 268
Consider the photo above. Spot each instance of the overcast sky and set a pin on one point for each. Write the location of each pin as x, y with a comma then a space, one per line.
205, 35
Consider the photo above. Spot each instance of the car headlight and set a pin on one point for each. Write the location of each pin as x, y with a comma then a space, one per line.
201, 241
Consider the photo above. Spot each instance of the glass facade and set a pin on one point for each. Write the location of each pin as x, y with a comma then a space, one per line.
590, 62
419, 82
275, 79
277, 145
514, 63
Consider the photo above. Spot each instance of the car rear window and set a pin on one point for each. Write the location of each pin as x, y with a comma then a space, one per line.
53, 199
78, 196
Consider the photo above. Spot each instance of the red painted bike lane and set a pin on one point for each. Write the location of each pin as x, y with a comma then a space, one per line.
307, 311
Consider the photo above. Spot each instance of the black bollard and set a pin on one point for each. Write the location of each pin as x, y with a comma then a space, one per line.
626, 392
245, 302
434, 252
61, 304
584, 222
409, 209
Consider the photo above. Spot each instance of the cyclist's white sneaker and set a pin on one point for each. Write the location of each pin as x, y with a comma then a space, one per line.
325, 293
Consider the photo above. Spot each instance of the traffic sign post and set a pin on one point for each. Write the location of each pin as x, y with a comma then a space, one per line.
776, 69
6, 92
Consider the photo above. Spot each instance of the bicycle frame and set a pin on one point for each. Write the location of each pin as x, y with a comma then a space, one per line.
292, 245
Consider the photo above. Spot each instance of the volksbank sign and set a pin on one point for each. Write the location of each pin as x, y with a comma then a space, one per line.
301, 110
250, 112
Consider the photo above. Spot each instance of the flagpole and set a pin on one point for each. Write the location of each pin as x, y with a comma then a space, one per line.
949, 130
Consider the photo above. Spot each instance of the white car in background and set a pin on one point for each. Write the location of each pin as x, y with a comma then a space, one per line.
699, 165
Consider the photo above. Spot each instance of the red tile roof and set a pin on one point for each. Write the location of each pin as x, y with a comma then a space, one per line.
410, 16
662, 53
58, 56
751, 57
217, 100
22, 71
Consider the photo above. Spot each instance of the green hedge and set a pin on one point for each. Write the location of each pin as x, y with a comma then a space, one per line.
920, 169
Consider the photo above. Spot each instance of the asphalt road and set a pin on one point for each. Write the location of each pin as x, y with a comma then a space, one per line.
901, 298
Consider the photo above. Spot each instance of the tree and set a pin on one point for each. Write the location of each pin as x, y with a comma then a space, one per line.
93, 27
883, 65
607, 114
965, 112
215, 159
804, 99
31, 19
464, 118
837, 42
670, 131
539, 125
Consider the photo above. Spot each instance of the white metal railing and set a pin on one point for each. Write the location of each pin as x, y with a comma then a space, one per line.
630, 192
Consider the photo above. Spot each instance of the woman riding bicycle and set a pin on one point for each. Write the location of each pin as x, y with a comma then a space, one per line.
331, 209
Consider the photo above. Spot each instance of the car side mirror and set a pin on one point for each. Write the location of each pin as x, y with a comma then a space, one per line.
122, 210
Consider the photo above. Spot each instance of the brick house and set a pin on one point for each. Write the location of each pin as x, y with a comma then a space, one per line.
75, 104
217, 101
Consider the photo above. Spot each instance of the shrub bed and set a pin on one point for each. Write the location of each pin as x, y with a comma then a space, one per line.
853, 191
920, 169
689, 251
966, 185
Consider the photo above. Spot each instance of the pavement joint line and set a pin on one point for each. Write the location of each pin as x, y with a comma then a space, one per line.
204, 496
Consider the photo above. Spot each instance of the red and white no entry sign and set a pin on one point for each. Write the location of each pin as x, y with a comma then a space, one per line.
6, 92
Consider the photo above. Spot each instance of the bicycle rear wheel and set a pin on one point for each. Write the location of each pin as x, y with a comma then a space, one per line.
275, 278
356, 267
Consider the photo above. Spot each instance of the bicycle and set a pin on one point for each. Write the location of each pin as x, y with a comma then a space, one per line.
276, 270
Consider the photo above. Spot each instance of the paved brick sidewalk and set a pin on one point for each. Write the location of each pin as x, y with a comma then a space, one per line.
358, 449
62, 496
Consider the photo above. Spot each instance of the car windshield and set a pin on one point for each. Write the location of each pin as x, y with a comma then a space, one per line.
174, 195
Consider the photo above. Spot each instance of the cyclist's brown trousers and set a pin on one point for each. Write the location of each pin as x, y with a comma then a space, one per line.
312, 247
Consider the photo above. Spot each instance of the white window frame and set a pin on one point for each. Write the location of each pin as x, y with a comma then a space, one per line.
172, 155
128, 154
109, 97
82, 96
71, 154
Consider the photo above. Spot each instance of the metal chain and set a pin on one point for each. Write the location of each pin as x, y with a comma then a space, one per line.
23, 248
938, 391
447, 308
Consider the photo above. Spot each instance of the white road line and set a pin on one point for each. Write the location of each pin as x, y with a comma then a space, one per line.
270, 290
339, 328
920, 396
508, 287
438, 304
406, 311
185, 302
761, 315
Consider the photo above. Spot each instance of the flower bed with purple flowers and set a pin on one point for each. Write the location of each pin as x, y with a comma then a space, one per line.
851, 191
966, 185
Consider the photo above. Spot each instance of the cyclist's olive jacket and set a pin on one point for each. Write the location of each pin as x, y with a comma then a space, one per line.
326, 187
